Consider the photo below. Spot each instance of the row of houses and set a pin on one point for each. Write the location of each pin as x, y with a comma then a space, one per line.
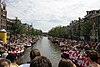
93, 17
7, 23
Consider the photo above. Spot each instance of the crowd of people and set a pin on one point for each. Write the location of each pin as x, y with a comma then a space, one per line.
14, 48
16, 44
77, 51
37, 60
73, 54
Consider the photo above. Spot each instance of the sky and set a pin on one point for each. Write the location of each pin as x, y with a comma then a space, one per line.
45, 14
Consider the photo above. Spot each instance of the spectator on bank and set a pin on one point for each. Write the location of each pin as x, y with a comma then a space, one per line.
34, 52
13, 59
5, 63
92, 57
40, 61
65, 61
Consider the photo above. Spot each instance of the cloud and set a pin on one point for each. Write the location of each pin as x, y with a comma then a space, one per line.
45, 14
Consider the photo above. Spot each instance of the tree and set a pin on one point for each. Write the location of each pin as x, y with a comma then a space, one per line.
19, 28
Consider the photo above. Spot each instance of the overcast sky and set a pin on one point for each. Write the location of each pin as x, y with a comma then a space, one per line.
45, 14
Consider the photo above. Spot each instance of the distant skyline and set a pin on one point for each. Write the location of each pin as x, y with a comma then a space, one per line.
45, 14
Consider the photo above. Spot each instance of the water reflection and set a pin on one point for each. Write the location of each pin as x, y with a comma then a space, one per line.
49, 50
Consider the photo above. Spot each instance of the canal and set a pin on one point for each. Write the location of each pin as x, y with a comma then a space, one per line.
47, 48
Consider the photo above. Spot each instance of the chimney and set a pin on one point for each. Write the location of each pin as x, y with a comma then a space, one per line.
87, 12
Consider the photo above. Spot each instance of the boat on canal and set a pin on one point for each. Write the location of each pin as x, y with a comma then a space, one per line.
27, 45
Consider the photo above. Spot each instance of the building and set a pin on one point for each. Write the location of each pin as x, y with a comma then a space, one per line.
10, 24
94, 17
76, 32
3, 15
27, 26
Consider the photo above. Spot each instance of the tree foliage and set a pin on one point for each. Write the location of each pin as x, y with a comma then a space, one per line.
75, 30
19, 28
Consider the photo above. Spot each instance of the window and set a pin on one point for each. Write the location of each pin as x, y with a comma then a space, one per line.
97, 11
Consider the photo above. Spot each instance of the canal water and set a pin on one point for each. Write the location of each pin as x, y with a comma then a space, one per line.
47, 48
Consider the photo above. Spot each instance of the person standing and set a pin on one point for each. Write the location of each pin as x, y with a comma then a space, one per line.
34, 52
92, 57
40, 61
13, 59
65, 61
4, 62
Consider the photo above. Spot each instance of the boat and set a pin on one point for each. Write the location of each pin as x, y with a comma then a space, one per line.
27, 45
16, 49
